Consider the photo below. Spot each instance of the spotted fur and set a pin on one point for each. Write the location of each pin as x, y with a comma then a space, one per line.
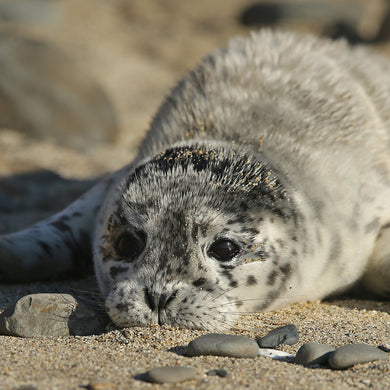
278, 145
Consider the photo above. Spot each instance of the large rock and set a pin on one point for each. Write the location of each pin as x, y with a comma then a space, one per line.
30, 11
51, 315
45, 93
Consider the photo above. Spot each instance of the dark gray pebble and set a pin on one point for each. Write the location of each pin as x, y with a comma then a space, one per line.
287, 334
384, 347
222, 373
51, 315
352, 354
169, 374
311, 354
223, 345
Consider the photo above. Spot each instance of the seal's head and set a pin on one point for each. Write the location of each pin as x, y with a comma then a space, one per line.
193, 236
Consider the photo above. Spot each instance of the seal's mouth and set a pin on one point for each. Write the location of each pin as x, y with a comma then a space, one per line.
182, 306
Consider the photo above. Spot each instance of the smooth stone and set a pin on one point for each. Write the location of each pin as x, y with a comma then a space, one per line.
287, 334
223, 345
311, 354
222, 373
169, 374
349, 355
51, 315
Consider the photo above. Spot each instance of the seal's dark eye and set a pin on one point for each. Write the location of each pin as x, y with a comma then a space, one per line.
129, 245
223, 250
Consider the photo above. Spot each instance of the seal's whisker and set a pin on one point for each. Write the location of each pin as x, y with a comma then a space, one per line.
238, 301
87, 292
233, 325
225, 324
228, 290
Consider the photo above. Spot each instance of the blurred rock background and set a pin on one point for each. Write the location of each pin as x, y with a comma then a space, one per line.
81, 80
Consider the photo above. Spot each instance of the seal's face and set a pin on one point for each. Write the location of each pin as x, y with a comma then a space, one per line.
194, 236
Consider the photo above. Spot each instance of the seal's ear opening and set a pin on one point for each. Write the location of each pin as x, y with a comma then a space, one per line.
56, 247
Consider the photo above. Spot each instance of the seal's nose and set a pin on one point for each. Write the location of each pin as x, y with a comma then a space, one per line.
157, 301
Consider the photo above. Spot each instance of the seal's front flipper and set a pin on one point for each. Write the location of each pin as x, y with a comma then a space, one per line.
55, 247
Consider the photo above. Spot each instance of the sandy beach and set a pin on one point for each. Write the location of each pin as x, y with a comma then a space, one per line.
115, 360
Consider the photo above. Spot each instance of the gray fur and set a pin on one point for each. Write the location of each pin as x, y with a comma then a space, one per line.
279, 144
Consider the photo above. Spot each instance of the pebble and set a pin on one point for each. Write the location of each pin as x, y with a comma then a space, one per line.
384, 347
352, 354
169, 374
287, 334
223, 345
311, 354
51, 315
221, 372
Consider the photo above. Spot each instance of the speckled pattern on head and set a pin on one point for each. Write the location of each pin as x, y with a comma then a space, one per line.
264, 180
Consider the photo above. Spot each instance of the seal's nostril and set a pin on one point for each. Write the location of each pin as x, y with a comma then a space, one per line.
166, 299
150, 299
171, 298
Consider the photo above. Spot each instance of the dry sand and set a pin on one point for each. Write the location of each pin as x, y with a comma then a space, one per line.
136, 50
119, 356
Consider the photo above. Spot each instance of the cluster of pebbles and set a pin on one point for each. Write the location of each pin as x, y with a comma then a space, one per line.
310, 354
62, 314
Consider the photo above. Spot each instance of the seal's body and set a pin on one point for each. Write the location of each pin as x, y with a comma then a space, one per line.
264, 180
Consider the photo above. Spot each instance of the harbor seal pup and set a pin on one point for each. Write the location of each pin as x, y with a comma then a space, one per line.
264, 180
